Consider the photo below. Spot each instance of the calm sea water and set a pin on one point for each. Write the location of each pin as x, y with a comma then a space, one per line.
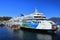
8, 34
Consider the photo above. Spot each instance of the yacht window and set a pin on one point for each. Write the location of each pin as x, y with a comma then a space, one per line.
38, 14
39, 17
16, 20
51, 22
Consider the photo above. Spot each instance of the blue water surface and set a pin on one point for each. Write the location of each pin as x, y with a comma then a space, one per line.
8, 34
5, 33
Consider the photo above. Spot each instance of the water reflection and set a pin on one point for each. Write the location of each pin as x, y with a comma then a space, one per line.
8, 34
26, 35
5, 33
44, 37
58, 35
29, 36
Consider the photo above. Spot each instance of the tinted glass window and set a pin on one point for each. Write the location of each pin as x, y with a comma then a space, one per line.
39, 17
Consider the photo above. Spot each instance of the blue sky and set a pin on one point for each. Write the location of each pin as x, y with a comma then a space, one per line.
13, 8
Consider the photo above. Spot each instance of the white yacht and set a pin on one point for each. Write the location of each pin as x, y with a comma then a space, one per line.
35, 20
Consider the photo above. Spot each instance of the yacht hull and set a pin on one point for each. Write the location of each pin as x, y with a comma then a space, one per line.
38, 30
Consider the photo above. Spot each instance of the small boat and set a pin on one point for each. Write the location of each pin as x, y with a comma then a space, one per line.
2, 25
